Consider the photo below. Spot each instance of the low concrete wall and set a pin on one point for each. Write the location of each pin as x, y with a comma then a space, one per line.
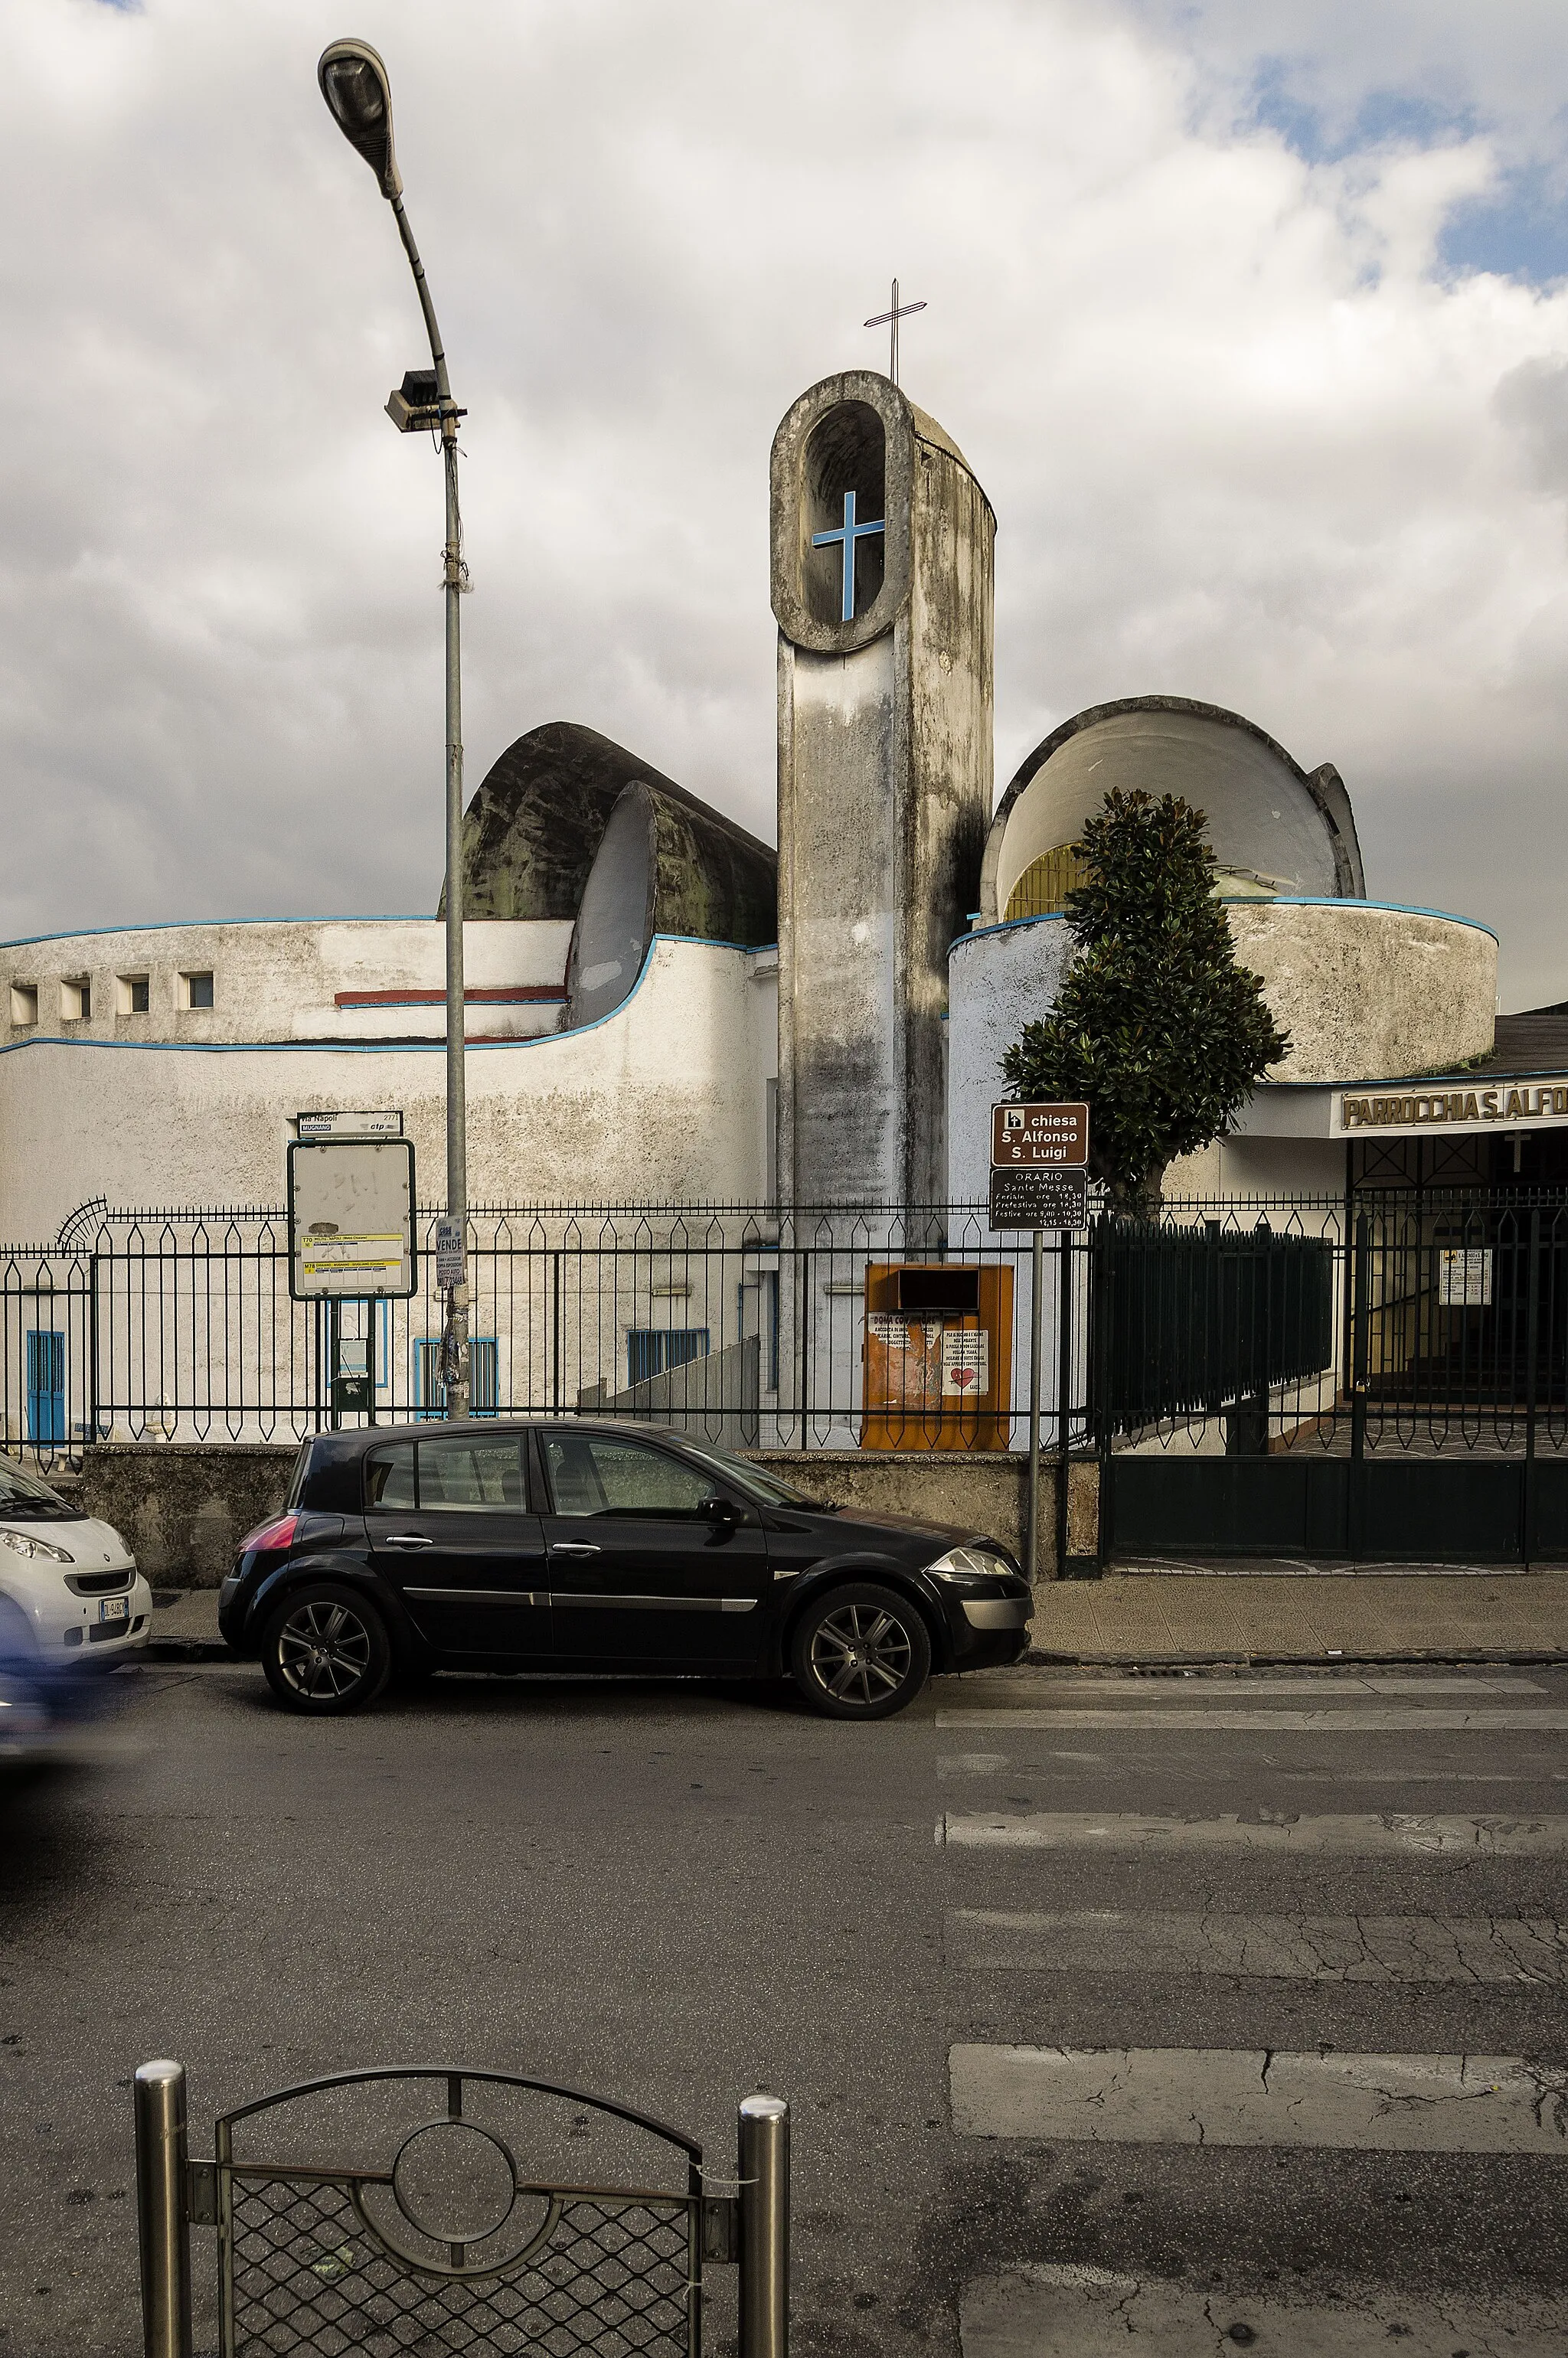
184, 1506
986, 1492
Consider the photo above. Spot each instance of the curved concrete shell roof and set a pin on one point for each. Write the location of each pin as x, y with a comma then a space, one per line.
665, 865
1274, 829
533, 832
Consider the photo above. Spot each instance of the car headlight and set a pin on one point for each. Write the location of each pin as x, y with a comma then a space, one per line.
25, 1545
970, 1564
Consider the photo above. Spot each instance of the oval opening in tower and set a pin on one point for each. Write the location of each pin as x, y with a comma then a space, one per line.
846, 507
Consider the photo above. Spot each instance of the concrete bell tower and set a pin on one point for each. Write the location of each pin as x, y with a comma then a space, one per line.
883, 590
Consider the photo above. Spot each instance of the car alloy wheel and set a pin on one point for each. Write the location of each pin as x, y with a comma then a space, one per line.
862, 1653
326, 1651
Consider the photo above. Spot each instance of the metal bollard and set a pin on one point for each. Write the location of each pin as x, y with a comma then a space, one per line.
161, 2221
763, 2172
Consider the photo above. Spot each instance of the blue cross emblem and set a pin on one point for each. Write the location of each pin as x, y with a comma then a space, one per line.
851, 533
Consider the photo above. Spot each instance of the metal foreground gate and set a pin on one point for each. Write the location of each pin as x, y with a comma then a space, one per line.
415, 2229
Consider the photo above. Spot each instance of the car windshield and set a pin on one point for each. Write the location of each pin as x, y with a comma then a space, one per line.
766, 1489
25, 1499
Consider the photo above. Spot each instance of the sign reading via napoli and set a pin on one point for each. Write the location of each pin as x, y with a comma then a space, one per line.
384, 1123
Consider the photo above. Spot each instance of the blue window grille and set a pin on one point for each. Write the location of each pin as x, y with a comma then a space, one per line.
654, 1350
484, 1375
46, 1387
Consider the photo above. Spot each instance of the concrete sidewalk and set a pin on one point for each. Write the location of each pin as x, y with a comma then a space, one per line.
1408, 1616
1412, 1614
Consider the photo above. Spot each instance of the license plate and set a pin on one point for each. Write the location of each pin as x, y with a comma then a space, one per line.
113, 1608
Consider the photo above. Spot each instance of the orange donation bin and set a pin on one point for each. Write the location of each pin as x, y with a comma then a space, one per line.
937, 1355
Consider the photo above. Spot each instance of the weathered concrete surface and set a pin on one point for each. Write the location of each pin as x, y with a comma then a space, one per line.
998, 982
1047, 2310
1367, 1614
1415, 1948
1367, 992
885, 766
1221, 2095
533, 828
184, 1506
985, 1491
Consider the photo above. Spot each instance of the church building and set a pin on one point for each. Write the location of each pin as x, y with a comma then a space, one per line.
663, 1009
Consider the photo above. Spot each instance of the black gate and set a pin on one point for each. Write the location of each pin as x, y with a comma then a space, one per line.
437, 2210
1386, 1381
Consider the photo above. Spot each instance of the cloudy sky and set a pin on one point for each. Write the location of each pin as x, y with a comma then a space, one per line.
1252, 315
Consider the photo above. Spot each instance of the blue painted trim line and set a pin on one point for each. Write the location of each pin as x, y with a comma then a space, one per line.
1014, 925
1255, 900
1335, 901
191, 925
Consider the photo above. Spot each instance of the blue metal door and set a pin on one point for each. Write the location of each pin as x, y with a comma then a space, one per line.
46, 1388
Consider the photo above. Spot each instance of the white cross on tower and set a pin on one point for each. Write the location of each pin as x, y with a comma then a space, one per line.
889, 320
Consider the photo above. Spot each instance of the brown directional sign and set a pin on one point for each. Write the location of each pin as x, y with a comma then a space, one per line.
1034, 1196
1039, 1136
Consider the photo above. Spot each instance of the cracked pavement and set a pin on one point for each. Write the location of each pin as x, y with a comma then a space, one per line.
677, 1895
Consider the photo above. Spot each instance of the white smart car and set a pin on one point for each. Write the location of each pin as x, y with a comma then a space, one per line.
69, 1590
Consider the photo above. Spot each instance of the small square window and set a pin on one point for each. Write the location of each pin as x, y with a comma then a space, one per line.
134, 994
23, 1003
198, 989
76, 999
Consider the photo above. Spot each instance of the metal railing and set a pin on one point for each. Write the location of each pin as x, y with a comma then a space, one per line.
752, 1326
442, 2236
1429, 1326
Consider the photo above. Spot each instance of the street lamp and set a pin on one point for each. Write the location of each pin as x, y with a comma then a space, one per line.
355, 86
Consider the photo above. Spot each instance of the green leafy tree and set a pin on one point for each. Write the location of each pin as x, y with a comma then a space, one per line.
1158, 1027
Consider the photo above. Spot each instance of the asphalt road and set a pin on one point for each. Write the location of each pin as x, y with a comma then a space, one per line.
676, 1894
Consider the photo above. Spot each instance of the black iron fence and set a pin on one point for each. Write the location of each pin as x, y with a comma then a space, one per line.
839, 1326
1386, 1378
1411, 1328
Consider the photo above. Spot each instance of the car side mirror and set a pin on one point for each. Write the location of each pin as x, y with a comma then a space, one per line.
716, 1510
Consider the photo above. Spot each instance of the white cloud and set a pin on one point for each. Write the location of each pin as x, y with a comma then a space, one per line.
1246, 438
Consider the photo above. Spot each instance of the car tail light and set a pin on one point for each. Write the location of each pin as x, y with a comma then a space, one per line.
278, 1534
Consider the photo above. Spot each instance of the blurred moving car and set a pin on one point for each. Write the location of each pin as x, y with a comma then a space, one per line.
570, 1545
70, 1595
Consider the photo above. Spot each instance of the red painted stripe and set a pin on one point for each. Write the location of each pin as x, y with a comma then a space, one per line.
511, 995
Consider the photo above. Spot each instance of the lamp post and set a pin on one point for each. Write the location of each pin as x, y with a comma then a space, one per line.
355, 86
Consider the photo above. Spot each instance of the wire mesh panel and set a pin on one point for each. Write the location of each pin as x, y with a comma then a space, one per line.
606, 2277
443, 2240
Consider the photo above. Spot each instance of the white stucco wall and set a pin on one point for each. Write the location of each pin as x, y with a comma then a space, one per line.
997, 980
1365, 988
280, 979
666, 1098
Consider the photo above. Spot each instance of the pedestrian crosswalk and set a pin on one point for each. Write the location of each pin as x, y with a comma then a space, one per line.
1033, 1947
1045, 2311
1233, 2096
1358, 1836
1466, 1950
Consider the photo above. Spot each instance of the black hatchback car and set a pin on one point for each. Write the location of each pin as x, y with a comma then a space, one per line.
569, 1545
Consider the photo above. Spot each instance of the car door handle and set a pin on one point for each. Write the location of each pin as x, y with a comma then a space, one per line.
405, 1540
574, 1547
